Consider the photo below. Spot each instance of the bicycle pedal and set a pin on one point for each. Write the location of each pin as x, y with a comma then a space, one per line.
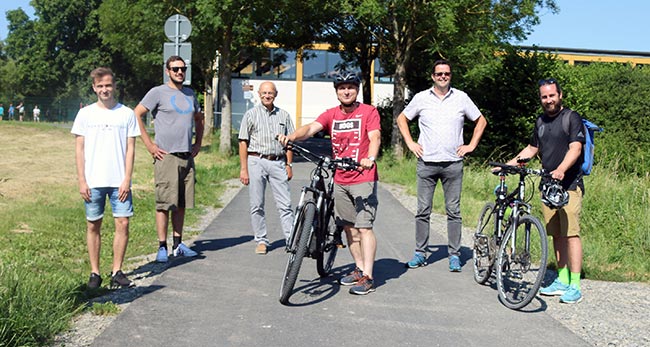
340, 245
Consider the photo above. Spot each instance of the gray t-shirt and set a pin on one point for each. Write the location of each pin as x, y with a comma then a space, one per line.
173, 110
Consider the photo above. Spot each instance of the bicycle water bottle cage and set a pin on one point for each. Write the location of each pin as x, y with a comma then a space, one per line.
553, 195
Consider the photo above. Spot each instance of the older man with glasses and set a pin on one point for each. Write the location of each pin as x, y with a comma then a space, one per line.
175, 110
441, 113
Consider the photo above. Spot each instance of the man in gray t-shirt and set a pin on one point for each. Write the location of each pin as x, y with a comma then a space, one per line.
441, 112
176, 111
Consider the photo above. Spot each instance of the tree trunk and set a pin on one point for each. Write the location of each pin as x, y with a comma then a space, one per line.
225, 78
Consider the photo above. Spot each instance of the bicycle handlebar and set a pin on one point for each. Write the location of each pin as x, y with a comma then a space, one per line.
521, 169
347, 164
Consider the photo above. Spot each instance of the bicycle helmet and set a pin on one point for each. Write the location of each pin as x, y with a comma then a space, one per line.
553, 195
346, 77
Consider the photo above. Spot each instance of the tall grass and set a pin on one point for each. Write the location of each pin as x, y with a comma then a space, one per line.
43, 258
615, 219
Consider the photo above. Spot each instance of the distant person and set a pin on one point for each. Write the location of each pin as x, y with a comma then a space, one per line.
176, 110
37, 114
105, 151
356, 133
561, 155
441, 112
263, 160
11, 111
21, 111
2, 111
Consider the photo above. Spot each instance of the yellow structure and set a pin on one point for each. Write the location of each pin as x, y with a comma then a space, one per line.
585, 56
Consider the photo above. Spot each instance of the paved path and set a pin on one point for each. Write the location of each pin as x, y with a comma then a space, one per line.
228, 296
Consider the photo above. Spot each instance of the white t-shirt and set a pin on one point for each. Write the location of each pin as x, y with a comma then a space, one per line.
441, 122
105, 135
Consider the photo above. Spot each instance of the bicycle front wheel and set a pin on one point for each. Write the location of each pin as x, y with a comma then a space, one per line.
328, 246
296, 254
484, 250
521, 264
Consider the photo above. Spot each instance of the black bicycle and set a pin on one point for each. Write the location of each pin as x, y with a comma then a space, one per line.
509, 234
314, 232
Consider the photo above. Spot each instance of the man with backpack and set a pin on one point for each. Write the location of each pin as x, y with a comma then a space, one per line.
561, 153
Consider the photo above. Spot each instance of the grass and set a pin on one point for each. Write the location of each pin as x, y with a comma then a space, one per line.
615, 219
43, 258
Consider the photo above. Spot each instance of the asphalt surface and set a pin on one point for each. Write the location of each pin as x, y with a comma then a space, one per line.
228, 295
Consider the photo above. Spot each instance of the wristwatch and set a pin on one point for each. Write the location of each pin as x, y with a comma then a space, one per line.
290, 164
371, 158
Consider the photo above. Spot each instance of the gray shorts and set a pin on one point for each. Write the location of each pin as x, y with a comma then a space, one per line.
174, 179
356, 204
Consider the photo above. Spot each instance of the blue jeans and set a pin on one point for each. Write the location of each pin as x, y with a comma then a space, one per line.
451, 176
95, 208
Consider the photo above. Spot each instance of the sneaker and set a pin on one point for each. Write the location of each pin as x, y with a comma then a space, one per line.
363, 287
161, 256
260, 249
572, 296
353, 278
183, 251
95, 281
119, 280
417, 261
454, 264
556, 288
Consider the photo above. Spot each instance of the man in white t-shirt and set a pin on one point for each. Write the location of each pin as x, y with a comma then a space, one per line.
37, 114
441, 112
105, 151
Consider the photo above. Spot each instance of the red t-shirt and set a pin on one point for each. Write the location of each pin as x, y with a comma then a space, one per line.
349, 134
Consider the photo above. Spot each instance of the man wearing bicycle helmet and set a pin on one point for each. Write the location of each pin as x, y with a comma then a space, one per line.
561, 155
356, 133
441, 112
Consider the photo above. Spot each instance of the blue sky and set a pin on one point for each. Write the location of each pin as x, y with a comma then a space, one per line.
589, 24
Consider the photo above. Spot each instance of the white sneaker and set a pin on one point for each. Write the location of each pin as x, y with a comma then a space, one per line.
184, 251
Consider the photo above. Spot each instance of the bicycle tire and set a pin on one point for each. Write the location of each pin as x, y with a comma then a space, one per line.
327, 247
521, 270
303, 229
484, 250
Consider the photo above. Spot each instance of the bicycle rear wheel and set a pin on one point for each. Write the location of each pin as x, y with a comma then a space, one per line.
296, 254
484, 250
521, 264
327, 247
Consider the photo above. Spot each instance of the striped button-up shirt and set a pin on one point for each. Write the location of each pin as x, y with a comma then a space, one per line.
260, 126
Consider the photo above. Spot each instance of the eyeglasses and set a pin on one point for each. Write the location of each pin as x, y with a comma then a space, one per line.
438, 74
547, 81
176, 68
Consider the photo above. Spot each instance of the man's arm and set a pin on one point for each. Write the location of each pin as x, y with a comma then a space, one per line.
243, 162
403, 125
373, 149
525, 153
570, 158
157, 153
84, 190
125, 187
199, 124
304, 132
479, 128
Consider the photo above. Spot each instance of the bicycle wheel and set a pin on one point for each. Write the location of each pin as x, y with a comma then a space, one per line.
296, 254
327, 247
522, 262
484, 250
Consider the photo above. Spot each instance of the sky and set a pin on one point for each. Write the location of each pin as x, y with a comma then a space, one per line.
618, 25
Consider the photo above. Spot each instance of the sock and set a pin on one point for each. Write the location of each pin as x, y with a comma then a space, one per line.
177, 241
563, 275
575, 279
162, 244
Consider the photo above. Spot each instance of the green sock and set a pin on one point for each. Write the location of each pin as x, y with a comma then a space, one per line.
575, 280
563, 275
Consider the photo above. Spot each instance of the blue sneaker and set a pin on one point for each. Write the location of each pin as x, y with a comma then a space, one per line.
161, 256
417, 261
556, 288
572, 296
454, 264
183, 251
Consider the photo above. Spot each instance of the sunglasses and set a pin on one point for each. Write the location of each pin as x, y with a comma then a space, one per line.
438, 74
176, 68
547, 81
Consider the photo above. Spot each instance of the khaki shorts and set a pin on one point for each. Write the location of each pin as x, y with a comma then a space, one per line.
566, 220
174, 179
356, 204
